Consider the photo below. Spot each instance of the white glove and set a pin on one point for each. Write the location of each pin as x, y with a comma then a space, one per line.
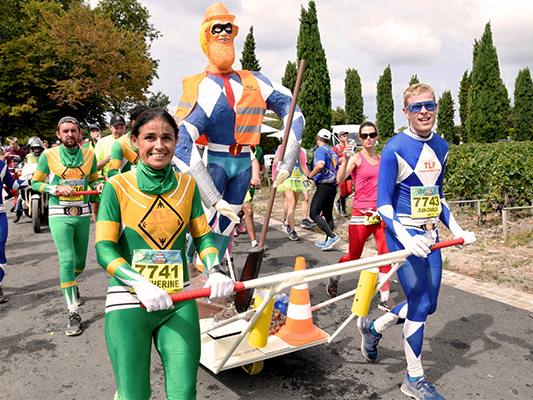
224, 208
220, 284
153, 297
417, 245
467, 236
281, 176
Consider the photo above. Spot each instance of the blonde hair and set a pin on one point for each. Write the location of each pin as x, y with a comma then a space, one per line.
203, 35
415, 90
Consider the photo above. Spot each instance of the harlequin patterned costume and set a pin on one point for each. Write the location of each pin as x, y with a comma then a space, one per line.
229, 117
69, 217
130, 219
410, 161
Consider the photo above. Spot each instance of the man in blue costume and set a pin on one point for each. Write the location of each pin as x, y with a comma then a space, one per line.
410, 201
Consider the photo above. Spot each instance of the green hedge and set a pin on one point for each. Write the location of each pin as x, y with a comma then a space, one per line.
495, 171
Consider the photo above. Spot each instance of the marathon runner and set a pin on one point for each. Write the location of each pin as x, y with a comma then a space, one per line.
140, 241
73, 169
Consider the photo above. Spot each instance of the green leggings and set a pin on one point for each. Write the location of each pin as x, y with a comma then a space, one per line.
71, 236
176, 335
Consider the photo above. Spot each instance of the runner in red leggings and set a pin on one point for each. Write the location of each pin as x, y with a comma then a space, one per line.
365, 221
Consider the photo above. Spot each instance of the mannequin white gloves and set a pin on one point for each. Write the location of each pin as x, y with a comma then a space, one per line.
221, 285
281, 176
224, 208
153, 297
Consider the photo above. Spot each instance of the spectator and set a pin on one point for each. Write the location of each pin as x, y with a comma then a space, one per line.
345, 186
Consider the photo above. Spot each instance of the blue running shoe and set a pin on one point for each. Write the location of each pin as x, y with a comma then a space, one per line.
306, 223
322, 243
369, 342
421, 389
331, 242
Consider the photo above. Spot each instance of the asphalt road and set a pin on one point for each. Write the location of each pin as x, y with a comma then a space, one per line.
475, 348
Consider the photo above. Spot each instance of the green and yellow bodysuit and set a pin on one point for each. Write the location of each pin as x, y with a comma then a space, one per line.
142, 224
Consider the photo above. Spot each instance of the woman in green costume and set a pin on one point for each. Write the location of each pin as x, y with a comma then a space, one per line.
142, 223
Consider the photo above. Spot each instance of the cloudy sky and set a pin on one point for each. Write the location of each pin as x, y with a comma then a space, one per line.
432, 39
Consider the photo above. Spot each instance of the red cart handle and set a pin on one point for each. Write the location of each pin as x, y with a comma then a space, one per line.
85, 193
197, 293
447, 243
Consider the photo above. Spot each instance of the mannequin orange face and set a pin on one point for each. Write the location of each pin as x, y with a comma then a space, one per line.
220, 47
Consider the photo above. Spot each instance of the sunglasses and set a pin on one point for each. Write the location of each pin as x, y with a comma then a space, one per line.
415, 108
366, 135
217, 29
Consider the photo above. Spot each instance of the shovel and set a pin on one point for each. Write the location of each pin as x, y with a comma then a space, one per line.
252, 265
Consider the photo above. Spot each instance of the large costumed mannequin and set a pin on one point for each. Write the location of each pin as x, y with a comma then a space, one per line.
221, 111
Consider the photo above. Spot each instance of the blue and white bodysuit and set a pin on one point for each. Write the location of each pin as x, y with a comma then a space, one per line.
410, 202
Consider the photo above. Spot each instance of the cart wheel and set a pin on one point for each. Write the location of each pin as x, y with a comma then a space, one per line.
253, 368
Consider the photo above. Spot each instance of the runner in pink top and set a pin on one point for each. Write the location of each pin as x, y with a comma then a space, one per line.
365, 221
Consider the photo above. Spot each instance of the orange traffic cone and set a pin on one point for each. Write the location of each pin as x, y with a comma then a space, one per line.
299, 329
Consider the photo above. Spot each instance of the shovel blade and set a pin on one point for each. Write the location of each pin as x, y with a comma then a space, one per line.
250, 271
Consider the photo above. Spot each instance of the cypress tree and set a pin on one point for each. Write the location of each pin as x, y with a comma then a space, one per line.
385, 105
488, 99
445, 127
523, 106
463, 103
249, 61
414, 79
353, 97
315, 94
291, 74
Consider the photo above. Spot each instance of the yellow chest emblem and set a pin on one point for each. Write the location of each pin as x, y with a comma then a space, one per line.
161, 223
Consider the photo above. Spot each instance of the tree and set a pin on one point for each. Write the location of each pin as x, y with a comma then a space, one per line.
338, 116
249, 61
463, 103
290, 77
58, 66
315, 94
159, 100
385, 105
523, 106
446, 126
488, 99
353, 97
413, 80
129, 15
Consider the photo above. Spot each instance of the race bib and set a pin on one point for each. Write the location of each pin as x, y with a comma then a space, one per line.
78, 185
372, 219
425, 202
296, 173
164, 268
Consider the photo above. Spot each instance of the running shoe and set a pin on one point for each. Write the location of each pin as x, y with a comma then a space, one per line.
387, 305
74, 324
306, 223
421, 389
240, 227
293, 236
78, 295
331, 242
345, 214
3, 297
286, 227
332, 288
322, 243
338, 205
369, 342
